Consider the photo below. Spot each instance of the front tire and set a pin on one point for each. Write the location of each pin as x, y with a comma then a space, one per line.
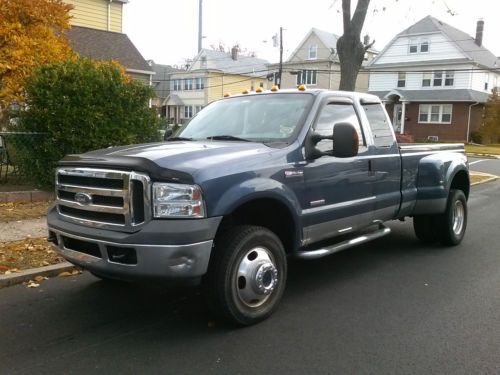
247, 274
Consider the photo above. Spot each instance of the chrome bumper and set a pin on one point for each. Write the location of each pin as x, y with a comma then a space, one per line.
150, 261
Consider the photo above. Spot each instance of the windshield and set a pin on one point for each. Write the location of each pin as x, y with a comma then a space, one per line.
260, 118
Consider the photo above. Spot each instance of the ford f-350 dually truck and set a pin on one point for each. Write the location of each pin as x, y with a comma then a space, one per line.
251, 180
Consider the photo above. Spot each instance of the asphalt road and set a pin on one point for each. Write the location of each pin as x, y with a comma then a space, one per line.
491, 166
392, 306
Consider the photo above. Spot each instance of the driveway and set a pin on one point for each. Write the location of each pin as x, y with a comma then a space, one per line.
491, 166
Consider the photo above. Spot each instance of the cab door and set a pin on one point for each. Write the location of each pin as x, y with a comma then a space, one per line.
339, 194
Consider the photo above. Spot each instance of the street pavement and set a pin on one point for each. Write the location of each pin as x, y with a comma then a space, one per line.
392, 306
491, 166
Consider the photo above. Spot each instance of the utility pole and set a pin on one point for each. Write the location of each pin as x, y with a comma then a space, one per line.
280, 71
200, 24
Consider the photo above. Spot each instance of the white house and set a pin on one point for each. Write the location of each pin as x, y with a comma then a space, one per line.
435, 80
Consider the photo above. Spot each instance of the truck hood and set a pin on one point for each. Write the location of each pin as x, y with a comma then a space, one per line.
179, 161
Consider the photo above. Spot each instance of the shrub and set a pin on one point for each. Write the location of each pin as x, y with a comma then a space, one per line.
80, 106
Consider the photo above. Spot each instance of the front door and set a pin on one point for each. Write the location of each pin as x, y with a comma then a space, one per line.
338, 191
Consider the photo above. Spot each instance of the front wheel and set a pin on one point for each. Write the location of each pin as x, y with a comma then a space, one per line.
247, 274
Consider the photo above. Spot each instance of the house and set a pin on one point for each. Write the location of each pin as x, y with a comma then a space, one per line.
161, 85
211, 75
315, 63
97, 33
435, 80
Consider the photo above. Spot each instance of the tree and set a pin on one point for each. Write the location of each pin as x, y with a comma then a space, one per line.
81, 105
490, 129
31, 34
350, 49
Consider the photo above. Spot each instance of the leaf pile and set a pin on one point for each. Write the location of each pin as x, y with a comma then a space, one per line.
25, 254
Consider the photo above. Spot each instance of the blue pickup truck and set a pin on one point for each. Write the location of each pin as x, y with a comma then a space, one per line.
250, 181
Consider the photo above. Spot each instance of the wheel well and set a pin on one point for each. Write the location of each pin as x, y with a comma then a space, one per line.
267, 213
461, 182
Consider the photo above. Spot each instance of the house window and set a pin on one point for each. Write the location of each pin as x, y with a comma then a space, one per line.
438, 78
313, 52
486, 86
424, 46
200, 84
197, 108
306, 77
449, 78
401, 79
435, 113
177, 85
413, 46
188, 84
426, 79
188, 111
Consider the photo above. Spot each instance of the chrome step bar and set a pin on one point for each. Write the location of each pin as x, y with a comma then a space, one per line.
381, 231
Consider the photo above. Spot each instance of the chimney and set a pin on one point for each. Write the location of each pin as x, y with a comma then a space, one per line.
479, 32
234, 53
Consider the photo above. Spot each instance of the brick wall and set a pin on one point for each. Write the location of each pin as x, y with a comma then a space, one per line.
456, 131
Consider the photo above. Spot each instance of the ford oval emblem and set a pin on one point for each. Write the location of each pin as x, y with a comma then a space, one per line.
83, 199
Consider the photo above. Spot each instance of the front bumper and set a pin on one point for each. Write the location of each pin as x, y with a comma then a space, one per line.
151, 253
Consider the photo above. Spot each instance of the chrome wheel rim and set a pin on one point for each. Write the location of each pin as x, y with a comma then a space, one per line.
256, 277
458, 217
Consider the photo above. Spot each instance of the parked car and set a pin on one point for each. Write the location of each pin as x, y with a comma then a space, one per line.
250, 181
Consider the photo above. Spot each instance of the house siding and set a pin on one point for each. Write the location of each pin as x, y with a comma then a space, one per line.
94, 14
440, 49
219, 83
302, 52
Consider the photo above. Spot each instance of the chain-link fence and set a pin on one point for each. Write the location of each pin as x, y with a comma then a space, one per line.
14, 150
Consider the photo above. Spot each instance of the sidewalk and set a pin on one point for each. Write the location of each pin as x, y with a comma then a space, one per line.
19, 230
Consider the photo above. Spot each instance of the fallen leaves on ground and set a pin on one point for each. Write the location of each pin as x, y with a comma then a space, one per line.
69, 273
14, 211
26, 254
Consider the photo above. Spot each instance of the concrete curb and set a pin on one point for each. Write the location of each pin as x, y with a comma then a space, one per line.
492, 177
488, 156
26, 275
485, 181
26, 196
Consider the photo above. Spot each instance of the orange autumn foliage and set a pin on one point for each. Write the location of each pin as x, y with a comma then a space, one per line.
31, 34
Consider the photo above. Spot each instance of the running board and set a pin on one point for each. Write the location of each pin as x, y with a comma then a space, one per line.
319, 253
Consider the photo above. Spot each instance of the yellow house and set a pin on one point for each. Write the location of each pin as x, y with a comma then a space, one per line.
209, 77
98, 14
96, 33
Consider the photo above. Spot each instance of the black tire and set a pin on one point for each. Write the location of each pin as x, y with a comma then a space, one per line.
425, 229
248, 261
452, 224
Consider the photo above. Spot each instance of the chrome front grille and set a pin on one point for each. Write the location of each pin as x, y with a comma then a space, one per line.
104, 198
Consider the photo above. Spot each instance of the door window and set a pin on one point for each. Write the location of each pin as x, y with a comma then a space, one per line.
332, 114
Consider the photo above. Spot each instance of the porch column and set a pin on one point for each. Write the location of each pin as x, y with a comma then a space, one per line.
403, 115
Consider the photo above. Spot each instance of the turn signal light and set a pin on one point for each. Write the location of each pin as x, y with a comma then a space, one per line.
245, 91
274, 88
258, 89
226, 94
302, 87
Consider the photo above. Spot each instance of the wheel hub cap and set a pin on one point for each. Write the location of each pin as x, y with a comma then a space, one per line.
256, 278
458, 217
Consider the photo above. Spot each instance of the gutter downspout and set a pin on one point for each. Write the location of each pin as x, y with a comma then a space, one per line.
468, 121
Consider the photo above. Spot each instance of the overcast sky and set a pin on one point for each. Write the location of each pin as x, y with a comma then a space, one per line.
167, 30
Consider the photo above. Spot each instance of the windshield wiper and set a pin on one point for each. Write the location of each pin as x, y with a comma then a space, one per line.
178, 139
227, 138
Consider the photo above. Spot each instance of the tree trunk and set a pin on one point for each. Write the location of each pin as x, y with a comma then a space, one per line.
349, 47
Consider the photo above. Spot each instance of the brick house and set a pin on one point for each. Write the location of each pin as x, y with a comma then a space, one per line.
435, 80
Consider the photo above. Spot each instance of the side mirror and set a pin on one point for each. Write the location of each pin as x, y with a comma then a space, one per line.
345, 140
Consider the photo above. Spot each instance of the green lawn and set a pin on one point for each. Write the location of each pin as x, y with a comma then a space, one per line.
483, 149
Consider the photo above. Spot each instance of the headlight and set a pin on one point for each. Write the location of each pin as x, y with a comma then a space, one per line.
177, 200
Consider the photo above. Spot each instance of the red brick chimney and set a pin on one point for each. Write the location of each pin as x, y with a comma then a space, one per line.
479, 32
234, 53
